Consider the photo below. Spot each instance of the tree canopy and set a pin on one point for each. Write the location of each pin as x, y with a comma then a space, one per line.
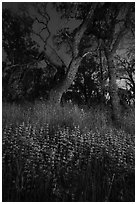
86, 36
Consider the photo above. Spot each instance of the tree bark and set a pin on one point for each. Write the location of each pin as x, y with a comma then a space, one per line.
57, 92
101, 77
113, 88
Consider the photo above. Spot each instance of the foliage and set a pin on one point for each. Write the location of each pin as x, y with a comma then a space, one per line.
86, 88
105, 16
76, 10
47, 161
20, 49
17, 42
24, 76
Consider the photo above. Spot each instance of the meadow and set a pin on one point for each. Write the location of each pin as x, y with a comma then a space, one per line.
66, 154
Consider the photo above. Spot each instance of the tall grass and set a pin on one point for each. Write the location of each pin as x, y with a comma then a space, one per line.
65, 154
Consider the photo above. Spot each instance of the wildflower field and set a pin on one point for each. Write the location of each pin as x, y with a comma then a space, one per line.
66, 154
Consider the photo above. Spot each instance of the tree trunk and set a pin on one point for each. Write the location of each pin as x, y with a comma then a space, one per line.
113, 89
57, 92
101, 78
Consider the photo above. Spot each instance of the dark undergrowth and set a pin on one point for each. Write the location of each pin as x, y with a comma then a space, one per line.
66, 154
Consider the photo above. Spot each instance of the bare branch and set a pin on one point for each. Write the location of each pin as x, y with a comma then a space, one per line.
46, 52
126, 78
46, 18
87, 53
45, 41
43, 29
41, 22
130, 84
45, 14
39, 35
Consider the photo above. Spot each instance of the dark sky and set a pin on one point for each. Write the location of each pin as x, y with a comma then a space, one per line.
54, 24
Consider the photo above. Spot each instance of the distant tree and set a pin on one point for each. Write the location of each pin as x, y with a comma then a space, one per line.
125, 97
126, 68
